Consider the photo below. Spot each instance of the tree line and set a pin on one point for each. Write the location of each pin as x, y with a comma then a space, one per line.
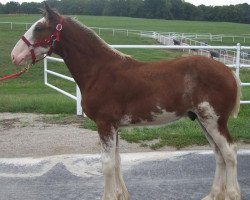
158, 9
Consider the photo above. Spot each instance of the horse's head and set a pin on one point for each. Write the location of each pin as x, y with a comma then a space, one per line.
39, 39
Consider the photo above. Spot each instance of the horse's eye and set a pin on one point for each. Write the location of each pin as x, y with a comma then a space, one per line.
38, 28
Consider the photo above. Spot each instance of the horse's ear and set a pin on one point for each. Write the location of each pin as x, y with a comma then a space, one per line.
49, 13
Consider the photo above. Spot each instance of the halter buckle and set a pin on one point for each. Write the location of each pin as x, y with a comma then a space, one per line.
59, 27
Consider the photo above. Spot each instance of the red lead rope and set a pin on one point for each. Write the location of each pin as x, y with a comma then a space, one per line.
16, 74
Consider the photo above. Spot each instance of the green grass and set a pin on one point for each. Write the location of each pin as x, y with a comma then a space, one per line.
28, 93
147, 24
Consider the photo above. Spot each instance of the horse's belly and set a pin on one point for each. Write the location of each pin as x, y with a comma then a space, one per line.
157, 119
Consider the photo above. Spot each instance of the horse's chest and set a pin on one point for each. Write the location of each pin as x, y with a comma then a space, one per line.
153, 119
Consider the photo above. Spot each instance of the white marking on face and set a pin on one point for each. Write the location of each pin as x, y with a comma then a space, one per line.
21, 52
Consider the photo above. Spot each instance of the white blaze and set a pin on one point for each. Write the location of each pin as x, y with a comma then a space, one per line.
21, 52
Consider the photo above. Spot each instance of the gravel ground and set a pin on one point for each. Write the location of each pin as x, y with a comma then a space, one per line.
30, 135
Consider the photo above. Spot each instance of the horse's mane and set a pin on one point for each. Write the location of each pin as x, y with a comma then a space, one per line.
94, 37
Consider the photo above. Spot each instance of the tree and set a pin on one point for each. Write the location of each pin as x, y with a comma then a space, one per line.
191, 12
206, 13
94, 7
11, 7
1, 8
177, 9
30, 8
161, 9
116, 8
155, 9
76, 7
245, 12
136, 8
53, 3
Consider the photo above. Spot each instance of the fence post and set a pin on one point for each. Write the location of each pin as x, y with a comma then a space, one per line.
45, 61
238, 59
78, 102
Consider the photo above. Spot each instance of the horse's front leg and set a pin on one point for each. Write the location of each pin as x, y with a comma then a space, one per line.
114, 186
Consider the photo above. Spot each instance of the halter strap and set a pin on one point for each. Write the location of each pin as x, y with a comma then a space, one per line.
26, 41
55, 37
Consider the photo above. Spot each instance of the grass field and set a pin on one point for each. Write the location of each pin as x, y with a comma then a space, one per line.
28, 93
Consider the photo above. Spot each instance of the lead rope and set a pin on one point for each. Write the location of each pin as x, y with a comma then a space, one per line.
17, 74
26, 68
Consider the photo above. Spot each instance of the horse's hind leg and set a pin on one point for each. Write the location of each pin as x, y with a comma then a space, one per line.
216, 127
114, 186
121, 187
219, 182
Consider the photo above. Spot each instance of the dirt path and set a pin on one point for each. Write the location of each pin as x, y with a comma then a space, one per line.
35, 135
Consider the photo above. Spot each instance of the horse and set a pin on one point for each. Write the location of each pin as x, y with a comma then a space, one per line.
120, 91
176, 42
214, 54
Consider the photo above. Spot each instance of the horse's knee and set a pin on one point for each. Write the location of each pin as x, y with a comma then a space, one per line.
108, 164
230, 155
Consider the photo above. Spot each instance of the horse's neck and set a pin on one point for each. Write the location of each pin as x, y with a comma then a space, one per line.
84, 53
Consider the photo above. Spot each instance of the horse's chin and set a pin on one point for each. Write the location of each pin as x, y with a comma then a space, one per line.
20, 63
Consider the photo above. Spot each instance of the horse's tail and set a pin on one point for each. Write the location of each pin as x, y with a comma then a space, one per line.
236, 108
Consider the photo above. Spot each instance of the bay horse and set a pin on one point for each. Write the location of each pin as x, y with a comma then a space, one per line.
118, 90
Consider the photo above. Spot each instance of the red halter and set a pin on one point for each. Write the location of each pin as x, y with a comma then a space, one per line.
49, 41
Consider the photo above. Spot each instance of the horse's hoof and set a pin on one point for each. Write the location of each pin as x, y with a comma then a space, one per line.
207, 198
233, 195
121, 196
218, 196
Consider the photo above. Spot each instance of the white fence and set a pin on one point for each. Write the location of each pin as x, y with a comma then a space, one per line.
77, 97
228, 56
194, 36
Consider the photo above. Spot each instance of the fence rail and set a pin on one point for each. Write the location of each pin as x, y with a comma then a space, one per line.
77, 97
197, 36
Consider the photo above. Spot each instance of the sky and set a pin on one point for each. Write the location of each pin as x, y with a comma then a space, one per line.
194, 2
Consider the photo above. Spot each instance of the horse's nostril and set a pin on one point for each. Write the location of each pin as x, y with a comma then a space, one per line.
13, 59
